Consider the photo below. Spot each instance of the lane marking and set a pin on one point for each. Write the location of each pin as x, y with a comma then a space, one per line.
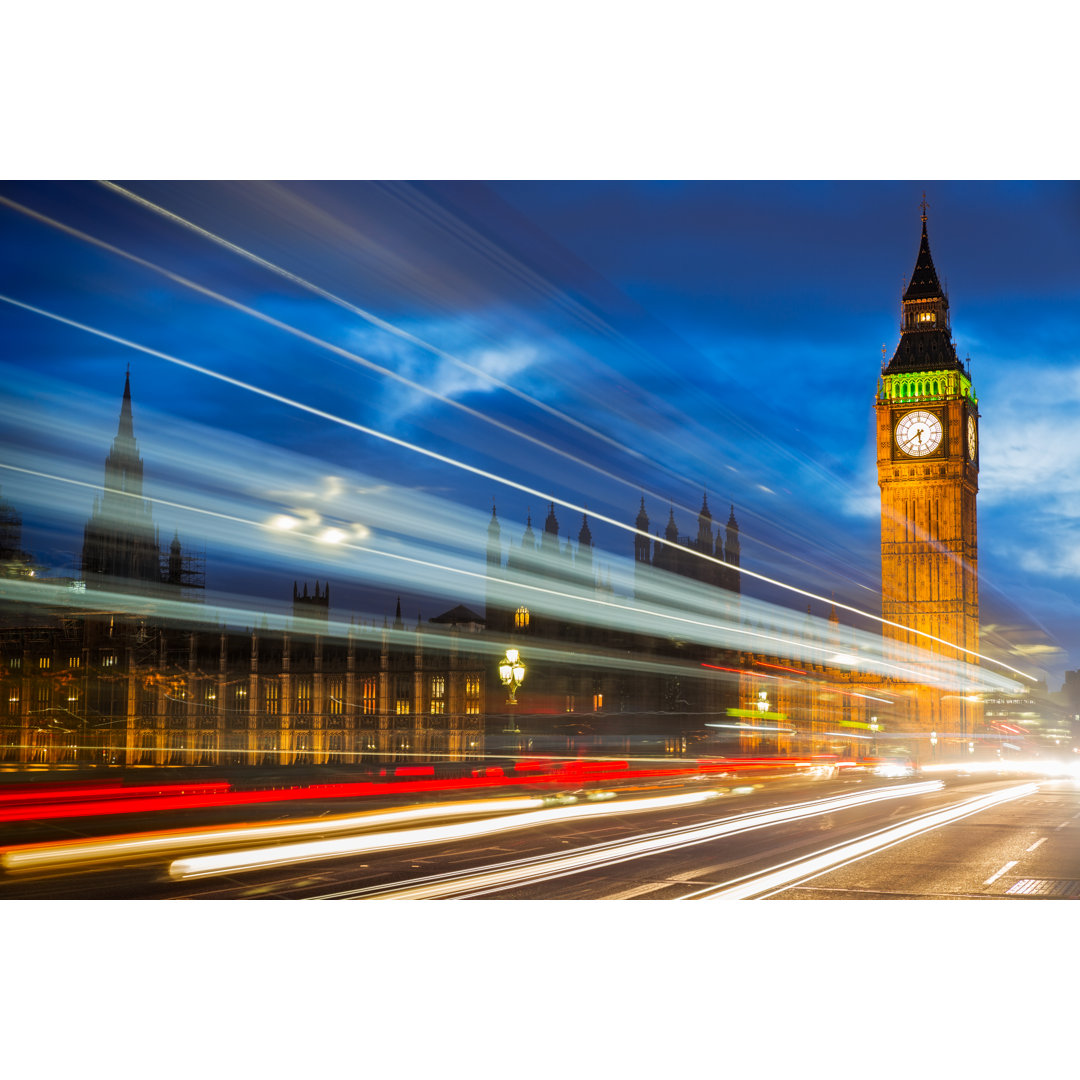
1041, 840
639, 890
1004, 870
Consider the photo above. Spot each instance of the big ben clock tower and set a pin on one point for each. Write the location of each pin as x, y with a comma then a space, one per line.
928, 471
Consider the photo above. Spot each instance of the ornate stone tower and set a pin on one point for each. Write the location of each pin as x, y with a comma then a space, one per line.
928, 472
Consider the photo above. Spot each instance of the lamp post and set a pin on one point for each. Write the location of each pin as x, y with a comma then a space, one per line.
512, 674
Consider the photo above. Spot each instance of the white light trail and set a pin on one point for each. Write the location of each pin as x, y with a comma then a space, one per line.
287, 854
337, 350
475, 470
544, 867
362, 313
802, 870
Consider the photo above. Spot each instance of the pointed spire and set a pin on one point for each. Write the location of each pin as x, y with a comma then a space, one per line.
585, 536
925, 338
398, 624
642, 522
126, 427
551, 525
924, 283
672, 530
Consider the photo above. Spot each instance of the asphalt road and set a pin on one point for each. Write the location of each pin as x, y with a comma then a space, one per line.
784, 841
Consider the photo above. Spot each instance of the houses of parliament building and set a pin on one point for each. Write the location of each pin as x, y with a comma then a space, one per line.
99, 685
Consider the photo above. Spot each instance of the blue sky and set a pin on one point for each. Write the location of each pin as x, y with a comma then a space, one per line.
590, 341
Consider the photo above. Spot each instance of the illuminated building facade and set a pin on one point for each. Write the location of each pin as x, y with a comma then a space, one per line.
928, 472
139, 694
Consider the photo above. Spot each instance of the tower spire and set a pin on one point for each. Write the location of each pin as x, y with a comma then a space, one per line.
126, 428
925, 338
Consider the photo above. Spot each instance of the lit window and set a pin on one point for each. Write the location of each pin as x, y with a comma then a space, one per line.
927, 317
43, 662
597, 702
303, 696
109, 660
271, 699
74, 661
403, 698
438, 694
15, 662
336, 703
369, 696
472, 694
521, 618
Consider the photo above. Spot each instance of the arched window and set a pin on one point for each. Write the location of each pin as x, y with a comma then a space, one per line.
335, 746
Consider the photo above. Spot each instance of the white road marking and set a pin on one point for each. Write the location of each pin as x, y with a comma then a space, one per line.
1041, 840
638, 890
1004, 870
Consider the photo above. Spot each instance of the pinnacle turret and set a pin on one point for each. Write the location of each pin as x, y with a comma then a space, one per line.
672, 530
585, 535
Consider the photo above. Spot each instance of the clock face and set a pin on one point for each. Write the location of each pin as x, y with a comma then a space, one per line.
918, 433
972, 438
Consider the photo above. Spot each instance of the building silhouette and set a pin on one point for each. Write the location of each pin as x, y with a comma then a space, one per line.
121, 550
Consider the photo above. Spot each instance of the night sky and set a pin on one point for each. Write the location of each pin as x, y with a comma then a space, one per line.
592, 342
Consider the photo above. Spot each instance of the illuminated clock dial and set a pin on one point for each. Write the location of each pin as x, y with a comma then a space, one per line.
918, 433
972, 438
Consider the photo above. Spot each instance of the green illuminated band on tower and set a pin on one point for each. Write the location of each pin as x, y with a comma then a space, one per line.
926, 385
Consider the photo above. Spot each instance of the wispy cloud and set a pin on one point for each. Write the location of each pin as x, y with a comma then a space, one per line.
453, 373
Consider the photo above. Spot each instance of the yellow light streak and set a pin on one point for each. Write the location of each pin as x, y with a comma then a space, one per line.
77, 853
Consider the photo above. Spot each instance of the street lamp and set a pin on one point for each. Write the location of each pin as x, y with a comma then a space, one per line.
512, 673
